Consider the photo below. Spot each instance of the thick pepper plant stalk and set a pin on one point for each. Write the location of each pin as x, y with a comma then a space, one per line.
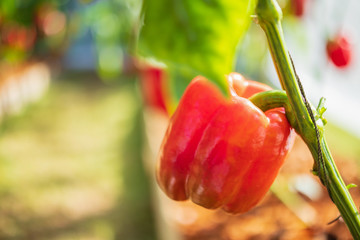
306, 120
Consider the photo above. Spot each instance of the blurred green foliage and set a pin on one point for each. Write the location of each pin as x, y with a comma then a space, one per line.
342, 142
33, 28
113, 24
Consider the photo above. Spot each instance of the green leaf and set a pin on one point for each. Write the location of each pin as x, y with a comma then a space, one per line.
351, 185
194, 37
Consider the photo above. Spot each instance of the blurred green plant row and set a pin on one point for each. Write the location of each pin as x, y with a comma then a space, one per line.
31, 28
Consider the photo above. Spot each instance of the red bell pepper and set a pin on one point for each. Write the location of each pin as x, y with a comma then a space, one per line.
222, 152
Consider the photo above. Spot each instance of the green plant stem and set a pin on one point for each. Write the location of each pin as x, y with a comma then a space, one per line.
269, 16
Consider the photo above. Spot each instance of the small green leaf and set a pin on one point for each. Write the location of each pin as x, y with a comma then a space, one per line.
321, 106
320, 110
194, 37
351, 185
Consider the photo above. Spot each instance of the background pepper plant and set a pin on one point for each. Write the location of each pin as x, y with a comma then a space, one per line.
204, 47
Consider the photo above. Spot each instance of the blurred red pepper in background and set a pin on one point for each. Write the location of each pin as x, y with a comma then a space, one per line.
18, 36
222, 152
339, 50
298, 7
152, 84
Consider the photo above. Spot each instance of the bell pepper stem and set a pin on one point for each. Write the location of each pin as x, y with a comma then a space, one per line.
270, 99
274, 99
305, 118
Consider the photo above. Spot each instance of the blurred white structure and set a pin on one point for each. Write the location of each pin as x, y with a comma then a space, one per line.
21, 86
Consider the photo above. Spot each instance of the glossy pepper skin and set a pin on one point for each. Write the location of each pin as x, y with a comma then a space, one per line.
219, 152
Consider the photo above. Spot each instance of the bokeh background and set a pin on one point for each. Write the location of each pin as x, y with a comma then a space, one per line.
82, 117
